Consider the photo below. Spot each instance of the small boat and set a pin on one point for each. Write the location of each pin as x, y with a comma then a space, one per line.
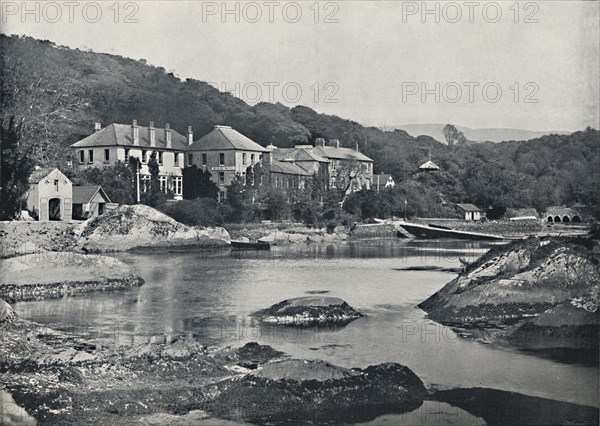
437, 232
250, 245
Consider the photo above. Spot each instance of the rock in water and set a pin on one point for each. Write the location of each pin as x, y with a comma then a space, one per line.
300, 391
307, 311
556, 280
7, 315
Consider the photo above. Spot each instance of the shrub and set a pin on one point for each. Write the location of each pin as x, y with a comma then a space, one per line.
198, 212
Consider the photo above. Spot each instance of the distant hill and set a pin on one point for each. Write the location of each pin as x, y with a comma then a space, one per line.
435, 130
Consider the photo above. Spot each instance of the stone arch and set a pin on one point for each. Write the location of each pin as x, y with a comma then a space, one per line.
576, 219
550, 219
566, 219
557, 218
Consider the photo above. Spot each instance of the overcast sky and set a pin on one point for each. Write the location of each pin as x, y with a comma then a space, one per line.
364, 60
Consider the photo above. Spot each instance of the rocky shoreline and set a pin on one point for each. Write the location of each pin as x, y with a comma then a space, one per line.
537, 294
59, 378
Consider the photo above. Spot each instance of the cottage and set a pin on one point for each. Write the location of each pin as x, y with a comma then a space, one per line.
89, 201
382, 181
50, 195
471, 211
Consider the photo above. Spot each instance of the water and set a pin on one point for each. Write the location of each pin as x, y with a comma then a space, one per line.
211, 295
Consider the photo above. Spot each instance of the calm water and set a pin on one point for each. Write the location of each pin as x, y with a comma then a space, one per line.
210, 296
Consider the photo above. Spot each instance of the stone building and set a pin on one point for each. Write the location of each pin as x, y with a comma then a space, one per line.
50, 195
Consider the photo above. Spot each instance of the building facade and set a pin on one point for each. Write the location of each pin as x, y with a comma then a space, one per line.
50, 195
118, 142
225, 153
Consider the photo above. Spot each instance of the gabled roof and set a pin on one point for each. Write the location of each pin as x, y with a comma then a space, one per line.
340, 153
288, 169
298, 154
225, 138
42, 173
468, 207
84, 194
429, 165
121, 135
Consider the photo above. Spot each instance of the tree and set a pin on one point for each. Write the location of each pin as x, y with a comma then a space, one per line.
238, 198
453, 135
197, 183
153, 196
15, 168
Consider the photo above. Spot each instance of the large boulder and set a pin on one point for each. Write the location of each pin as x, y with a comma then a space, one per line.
309, 310
135, 226
300, 391
511, 285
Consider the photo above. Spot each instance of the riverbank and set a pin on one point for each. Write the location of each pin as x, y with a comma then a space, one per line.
538, 294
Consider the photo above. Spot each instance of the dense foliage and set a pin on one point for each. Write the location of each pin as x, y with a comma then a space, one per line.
59, 93
15, 168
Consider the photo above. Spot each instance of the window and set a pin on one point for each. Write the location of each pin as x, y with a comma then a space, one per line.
160, 157
107, 155
81, 157
163, 183
145, 183
221, 178
333, 165
244, 159
221, 196
90, 155
204, 160
177, 185
190, 159
127, 156
176, 159
144, 157
251, 158
56, 185
333, 182
221, 159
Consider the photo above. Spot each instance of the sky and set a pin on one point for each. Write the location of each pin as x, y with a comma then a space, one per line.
504, 64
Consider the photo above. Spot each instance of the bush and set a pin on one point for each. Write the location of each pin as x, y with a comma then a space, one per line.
198, 212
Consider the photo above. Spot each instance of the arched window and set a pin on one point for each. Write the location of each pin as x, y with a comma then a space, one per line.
557, 218
576, 219
566, 219
550, 219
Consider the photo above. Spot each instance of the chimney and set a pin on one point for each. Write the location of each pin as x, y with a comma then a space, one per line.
190, 136
320, 142
357, 147
97, 126
152, 134
168, 136
335, 142
135, 133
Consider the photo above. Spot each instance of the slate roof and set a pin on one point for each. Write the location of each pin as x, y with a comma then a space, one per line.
83, 194
468, 207
298, 154
120, 135
288, 169
40, 174
340, 153
224, 138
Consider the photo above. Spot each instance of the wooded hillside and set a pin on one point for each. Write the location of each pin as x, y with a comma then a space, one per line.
59, 93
